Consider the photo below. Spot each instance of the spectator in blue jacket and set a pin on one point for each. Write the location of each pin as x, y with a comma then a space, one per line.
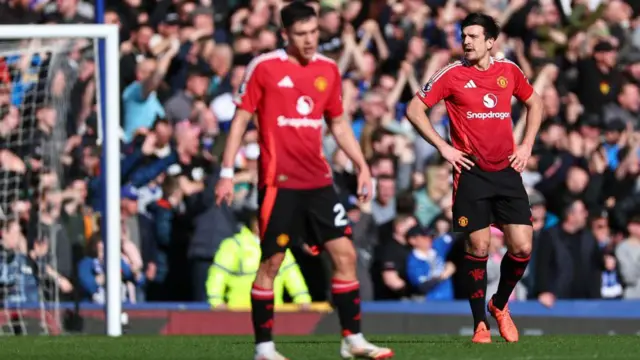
427, 269
91, 273
155, 247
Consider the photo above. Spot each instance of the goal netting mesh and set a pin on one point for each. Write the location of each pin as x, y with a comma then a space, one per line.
44, 102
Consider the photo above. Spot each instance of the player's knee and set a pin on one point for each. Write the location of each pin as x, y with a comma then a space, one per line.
478, 244
270, 267
521, 250
478, 250
519, 240
343, 254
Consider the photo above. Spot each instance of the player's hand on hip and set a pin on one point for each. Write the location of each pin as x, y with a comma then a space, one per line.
520, 157
224, 191
365, 187
456, 158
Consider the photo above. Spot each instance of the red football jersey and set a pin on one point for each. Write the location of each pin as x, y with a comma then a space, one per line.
291, 102
479, 107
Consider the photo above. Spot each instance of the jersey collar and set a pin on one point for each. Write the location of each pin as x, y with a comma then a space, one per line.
466, 63
282, 53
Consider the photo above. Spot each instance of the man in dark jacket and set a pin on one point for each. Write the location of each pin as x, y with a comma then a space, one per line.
568, 260
211, 225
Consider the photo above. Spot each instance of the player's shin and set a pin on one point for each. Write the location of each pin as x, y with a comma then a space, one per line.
475, 270
262, 300
262, 313
512, 269
346, 299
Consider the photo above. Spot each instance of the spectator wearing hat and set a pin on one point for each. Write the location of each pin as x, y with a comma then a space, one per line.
166, 36
130, 227
541, 218
599, 82
428, 271
628, 255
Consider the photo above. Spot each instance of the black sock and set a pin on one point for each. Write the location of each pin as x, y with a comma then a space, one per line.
346, 299
262, 313
511, 270
475, 269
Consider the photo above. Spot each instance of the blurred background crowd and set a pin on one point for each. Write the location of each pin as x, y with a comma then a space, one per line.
182, 61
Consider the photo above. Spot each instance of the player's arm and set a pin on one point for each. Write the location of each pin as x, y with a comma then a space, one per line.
417, 116
432, 93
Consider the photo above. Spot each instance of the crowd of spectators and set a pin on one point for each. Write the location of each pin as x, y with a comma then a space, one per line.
183, 60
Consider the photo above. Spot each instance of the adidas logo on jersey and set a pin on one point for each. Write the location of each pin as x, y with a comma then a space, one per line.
470, 85
286, 82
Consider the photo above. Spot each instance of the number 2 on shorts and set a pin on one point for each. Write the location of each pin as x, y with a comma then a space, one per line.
340, 219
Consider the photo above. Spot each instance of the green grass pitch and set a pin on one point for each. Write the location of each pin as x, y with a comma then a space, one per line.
317, 348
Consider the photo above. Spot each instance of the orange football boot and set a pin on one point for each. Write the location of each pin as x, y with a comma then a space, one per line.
507, 328
482, 335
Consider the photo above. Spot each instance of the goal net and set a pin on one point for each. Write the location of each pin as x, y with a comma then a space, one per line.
47, 110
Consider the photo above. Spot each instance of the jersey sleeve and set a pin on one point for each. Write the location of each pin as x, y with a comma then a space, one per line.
436, 89
334, 103
251, 90
522, 89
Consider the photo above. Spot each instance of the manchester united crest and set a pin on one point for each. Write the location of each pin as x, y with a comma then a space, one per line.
463, 221
320, 83
282, 240
502, 82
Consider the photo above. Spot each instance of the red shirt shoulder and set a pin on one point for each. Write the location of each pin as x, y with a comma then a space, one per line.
439, 85
522, 90
252, 88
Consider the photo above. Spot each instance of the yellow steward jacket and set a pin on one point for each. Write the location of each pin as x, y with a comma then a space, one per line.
234, 269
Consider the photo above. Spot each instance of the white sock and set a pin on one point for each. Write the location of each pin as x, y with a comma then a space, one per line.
266, 347
356, 339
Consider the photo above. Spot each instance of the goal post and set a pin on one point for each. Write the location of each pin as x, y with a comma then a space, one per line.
110, 143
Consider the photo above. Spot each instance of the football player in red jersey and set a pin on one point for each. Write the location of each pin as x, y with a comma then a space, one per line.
488, 189
292, 92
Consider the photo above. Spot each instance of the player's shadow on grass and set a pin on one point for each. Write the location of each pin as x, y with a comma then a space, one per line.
323, 342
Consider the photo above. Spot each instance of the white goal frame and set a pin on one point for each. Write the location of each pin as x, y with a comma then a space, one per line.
110, 145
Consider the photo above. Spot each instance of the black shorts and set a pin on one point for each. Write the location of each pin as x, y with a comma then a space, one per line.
315, 216
482, 198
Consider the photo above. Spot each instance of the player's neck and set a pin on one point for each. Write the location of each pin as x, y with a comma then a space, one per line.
483, 64
295, 58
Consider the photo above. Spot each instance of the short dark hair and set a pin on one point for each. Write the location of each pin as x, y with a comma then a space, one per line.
295, 12
379, 133
489, 24
169, 186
